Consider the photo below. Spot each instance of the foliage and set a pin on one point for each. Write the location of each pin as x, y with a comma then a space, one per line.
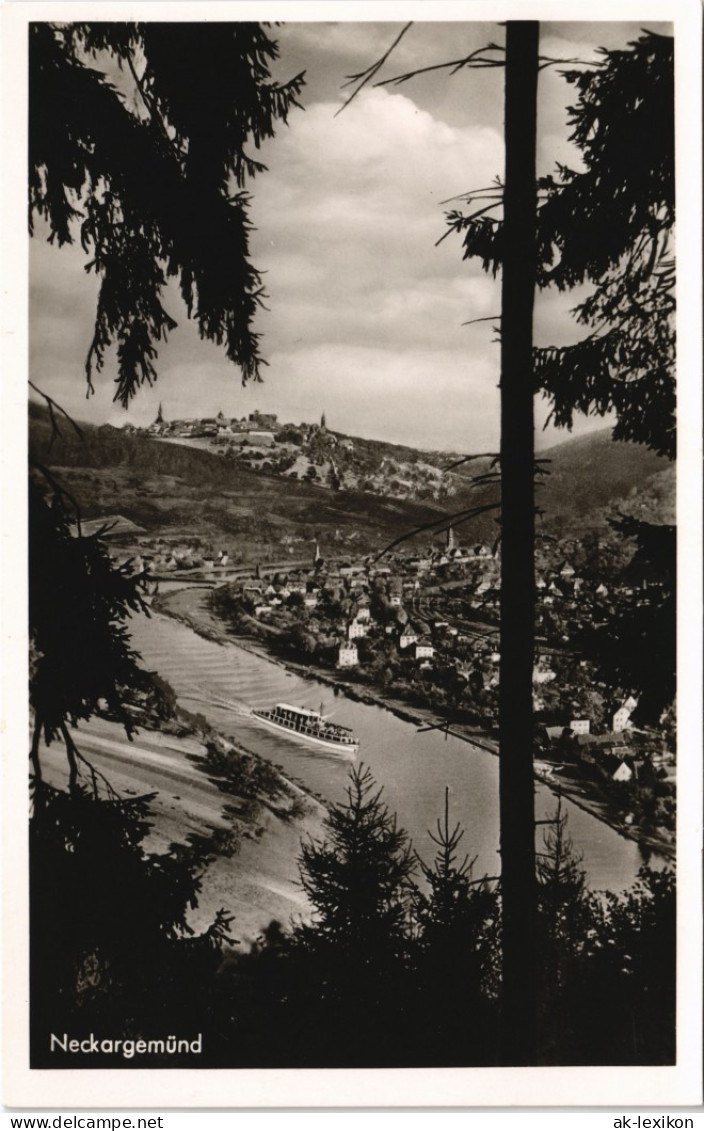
458, 921
628, 975
242, 773
611, 225
111, 949
356, 880
638, 647
396, 970
151, 169
78, 605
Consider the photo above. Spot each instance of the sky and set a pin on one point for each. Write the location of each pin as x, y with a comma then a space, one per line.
366, 314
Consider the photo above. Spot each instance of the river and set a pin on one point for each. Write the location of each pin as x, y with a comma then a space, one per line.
224, 682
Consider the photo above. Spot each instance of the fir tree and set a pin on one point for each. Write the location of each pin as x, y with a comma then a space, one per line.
154, 184
458, 922
357, 878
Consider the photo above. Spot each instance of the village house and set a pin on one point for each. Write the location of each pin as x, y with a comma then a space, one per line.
622, 717
615, 769
542, 674
424, 650
357, 628
347, 656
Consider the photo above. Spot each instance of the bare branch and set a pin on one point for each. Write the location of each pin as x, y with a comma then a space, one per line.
493, 456
474, 194
440, 525
365, 77
489, 318
547, 61
475, 59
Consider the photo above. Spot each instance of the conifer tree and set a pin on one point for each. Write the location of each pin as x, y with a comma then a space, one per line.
357, 878
458, 930
138, 147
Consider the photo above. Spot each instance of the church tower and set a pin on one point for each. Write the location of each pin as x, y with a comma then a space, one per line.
323, 426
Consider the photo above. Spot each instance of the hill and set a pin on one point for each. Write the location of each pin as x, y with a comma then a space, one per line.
590, 473
177, 488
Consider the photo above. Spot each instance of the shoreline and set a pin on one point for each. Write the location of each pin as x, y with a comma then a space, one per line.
205, 624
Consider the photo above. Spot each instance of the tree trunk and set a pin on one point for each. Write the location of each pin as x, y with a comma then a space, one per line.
516, 801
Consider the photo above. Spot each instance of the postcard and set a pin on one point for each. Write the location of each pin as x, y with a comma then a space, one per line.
352, 608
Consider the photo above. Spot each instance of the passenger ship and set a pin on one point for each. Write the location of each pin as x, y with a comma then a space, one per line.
303, 723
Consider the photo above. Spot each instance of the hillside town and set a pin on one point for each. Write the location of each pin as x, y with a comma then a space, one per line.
310, 452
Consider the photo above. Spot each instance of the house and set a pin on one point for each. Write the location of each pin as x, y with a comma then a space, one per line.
615, 769
543, 675
407, 637
424, 650
347, 656
364, 613
579, 726
266, 420
621, 719
552, 734
480, 551
357, 628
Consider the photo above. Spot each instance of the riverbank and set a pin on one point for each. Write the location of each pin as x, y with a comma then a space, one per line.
190, 607
252, 841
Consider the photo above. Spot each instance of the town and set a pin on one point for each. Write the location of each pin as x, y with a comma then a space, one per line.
312, 453
420, 626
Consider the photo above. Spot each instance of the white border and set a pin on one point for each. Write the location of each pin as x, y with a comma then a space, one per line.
400, 1088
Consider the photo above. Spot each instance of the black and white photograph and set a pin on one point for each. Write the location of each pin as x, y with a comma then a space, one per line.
360, 492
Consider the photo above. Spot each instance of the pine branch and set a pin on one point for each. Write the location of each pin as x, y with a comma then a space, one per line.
59, 490
53, 405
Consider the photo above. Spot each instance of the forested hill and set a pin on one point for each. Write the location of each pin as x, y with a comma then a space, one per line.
171, 485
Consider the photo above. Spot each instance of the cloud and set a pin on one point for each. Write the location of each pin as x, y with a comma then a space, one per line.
348, 218
365, 311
